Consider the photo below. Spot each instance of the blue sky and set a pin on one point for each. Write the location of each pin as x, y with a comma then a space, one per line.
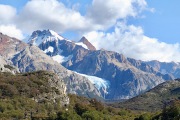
14, 3
164, 23
150, 28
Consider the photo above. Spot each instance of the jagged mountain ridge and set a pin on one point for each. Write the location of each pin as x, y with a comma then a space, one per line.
166, 67
128, 77
38, 37
29, 58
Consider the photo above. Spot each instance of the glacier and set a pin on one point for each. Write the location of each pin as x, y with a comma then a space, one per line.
100, 84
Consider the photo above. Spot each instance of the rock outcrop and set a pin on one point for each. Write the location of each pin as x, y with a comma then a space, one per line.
59, 92
87, 43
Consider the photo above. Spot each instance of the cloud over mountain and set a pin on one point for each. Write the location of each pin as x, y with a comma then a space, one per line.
53, 14
131, 41
50, 14
12, 31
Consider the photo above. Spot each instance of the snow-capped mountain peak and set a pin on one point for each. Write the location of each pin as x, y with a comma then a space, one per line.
44, 36
56, 35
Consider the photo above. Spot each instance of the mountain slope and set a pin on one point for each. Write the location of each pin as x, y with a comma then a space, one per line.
127, 77
29, 58
10, 46
166, 67
156, 98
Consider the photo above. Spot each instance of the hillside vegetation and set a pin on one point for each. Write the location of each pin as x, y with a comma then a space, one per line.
19, 99
26, 95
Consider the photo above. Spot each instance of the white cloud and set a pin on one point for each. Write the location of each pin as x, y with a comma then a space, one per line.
7, 14
52, 14
44, 14
130, 41
107, 12
11, 31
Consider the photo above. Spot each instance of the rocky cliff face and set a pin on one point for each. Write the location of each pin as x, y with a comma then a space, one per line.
8, 68
29, 58
126, 77
55, 82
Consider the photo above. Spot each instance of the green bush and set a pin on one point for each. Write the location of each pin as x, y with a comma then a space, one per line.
52, 116
98, 105
80, 108
18, 114
68, 115
172, 112
2, 107
92, 115
145, 117
123, 112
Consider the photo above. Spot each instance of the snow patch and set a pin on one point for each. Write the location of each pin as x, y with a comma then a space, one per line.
61, 59
49, 49
81, 44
